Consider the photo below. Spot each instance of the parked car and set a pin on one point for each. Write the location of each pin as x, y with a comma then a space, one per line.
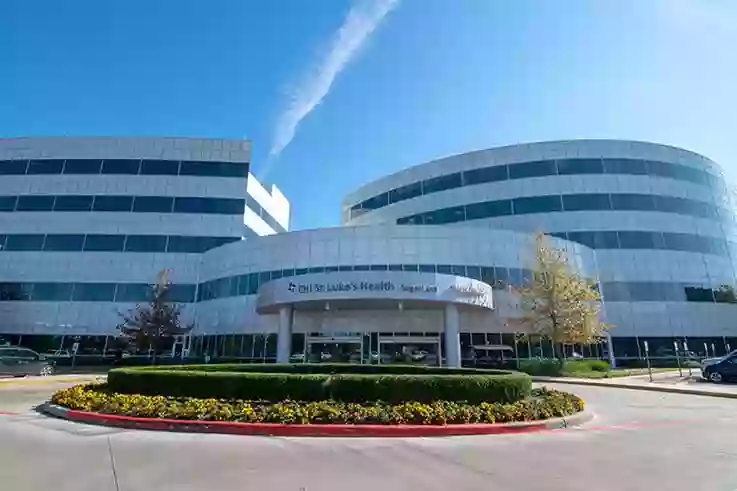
16, 361
720, 369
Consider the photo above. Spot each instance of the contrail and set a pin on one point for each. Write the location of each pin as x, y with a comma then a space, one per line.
362, 19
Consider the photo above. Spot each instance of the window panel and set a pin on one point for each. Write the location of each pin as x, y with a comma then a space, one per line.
113, 203
625, 166
7, 203
181, 293
52, 292
376, 202
488, 209
410, 267
64, 242
580, 166
537, 204
458, 270
73, 203
641, 202
83, 166
532, 169
35, 203
410, 220
104, 243
637, 240
487, 275
427, 268
132, 292
446, 215
473, 272
243, 287
253, 283
145, 243
661, 169
445, 269
160, 167
699, 294
24, 242
574, 202
183, 244
441, 183
486, 174
605, 240
12, 291
152, 204
54, 166
121, 166
358, 267
215, 169
13, 167
94, 292
395, 267
378, 267
405, 192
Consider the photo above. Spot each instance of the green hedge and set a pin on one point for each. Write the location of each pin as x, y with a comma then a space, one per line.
295, 382
551, 368
98, 398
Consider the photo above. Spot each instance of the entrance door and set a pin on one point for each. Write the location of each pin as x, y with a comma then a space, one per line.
410, 350
347, 349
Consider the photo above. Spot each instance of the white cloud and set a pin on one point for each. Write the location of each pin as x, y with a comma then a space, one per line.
362, 19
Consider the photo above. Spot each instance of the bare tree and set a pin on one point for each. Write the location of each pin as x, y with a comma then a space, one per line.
151, 324
557, 303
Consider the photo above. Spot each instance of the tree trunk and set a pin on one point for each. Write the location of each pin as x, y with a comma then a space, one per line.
558, 348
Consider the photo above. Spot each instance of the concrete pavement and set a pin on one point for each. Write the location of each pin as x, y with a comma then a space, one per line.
639, 440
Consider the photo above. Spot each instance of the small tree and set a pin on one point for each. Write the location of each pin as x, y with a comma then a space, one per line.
557, 303
149, 325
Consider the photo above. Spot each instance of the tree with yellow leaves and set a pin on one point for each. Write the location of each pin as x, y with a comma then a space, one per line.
557, 303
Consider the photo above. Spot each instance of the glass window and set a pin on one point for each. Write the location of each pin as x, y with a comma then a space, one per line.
641, 202
473, 272
82, 166
45, 166
378, 267
289, 272
580, 166
427, 268
13, 167
410, 220
216, 169
24, 242
145, 243
15, 291
52, 292
445, 215
64, 242
410, 267
320, 269
638, 240
35, 203
345, 268
332, 269
441, 183
264, 277
94, 292
537, 204
644, 291
376, 202
275, 275
113, 203
359, 267
121, 166
699, 294
222, 287
625, 166
445, 269
487, 209
615, 291
486, 174
209, 205
73, 203
7, 203
515, 276
671, 204
487, 275
458, 270
160, 167
661, 169
573, 202
242, 284
682, 242
104, 242
181, 293
690, 174
395, 267
253, 283
2, 241
132, 292
185, 244
532, 169
405, 192
153, 204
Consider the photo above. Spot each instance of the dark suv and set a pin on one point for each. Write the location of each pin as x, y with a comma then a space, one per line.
720, 369
19, 362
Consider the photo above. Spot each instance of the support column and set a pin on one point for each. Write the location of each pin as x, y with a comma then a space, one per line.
284, 335
452, 337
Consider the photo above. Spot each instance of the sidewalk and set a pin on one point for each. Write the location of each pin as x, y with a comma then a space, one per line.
52, 379
662, 382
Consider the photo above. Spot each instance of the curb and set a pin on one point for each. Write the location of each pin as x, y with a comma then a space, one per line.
651, 388
299, 430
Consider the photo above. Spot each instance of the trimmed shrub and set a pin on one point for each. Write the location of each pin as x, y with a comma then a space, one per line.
543, 404
586, 366
261, 382
543, 367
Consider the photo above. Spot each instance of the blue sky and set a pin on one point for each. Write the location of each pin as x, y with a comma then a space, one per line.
417, 81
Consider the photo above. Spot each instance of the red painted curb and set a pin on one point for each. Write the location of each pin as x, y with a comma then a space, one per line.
8, 413
274, 429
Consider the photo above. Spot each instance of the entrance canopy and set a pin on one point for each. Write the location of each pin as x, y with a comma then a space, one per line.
372, 290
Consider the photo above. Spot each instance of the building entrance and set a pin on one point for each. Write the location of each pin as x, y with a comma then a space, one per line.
335, 348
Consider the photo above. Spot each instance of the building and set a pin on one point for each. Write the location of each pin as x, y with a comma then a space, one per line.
419, 267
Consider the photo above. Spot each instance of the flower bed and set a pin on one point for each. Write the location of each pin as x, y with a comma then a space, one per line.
304, 382
541, 404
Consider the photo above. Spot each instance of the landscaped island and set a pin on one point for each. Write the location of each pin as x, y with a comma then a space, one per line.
321, 394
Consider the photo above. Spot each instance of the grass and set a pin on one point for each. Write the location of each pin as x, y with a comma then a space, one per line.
616, 373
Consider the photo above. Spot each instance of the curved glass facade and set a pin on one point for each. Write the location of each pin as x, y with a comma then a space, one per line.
133, 167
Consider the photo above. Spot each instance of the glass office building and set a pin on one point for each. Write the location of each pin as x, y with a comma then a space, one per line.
421, 263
